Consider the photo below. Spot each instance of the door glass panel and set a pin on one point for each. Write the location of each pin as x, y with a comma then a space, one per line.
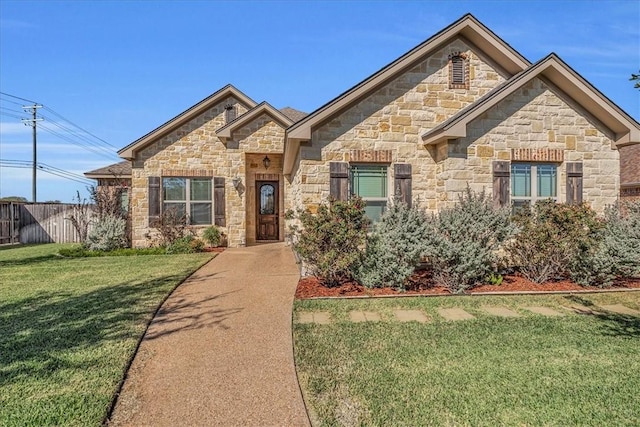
267, 199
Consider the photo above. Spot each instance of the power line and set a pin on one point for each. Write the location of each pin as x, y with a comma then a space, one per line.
79, 144
84, 130
17, 97
24, 164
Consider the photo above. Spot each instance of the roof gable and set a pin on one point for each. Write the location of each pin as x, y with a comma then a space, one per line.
260, 109
128, 152
467, 26
625, 129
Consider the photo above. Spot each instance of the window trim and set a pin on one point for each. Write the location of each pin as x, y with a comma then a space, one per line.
533, 185
187, 202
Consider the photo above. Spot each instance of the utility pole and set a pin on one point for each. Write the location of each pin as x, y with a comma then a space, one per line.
32, 121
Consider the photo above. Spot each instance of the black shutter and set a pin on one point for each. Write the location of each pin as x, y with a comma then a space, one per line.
574, 182
339, 180
501, 182
402, 182
218, 202
154, 198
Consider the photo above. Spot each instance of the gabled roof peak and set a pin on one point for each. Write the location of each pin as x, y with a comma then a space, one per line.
128, 152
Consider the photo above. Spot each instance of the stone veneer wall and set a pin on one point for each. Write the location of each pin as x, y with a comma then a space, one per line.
393, 118
534, 117
195, 148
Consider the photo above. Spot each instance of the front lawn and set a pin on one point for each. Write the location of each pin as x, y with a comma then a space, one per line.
69, 326
577, 369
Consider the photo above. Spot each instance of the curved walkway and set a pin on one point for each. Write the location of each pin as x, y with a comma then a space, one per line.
219, 352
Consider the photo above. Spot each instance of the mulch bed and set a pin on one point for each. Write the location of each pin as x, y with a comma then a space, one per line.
421, 283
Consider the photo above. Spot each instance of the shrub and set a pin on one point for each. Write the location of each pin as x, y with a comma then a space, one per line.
552, 239
108, 233
617, 253
212, 236
185, 245
394, 249
463, 241
171, 225
330, 240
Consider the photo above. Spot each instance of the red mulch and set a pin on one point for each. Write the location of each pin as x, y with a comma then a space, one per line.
421, 283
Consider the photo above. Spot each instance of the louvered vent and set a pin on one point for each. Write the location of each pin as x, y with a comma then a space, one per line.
457, 70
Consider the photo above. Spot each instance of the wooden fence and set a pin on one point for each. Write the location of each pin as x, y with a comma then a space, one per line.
37, 223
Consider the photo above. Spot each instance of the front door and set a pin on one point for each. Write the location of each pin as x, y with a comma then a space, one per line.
267, 210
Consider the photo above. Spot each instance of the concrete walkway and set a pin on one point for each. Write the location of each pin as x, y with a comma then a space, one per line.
220, 351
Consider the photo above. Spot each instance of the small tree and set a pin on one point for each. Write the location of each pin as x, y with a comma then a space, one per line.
330, 240
81, 216
171, 225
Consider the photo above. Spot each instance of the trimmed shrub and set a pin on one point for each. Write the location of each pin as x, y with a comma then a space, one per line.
108, 233
552, 239
212, 236
330, 240
617, 253
394, 249
462, 242
185, 245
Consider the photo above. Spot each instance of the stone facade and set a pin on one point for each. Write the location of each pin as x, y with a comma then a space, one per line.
195, 150
535, 117
392, 118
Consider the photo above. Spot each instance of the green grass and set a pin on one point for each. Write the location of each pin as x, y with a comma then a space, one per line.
69, 326
531, 371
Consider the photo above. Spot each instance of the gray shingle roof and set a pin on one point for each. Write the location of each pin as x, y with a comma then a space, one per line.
293, 114
117, 170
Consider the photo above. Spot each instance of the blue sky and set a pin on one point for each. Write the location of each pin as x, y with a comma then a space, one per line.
118, 69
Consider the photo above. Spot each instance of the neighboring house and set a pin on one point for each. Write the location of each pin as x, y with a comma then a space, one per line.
462, 109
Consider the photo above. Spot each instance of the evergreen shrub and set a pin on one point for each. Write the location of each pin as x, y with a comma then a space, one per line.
394, 249
463, 242
108, 233
329, 241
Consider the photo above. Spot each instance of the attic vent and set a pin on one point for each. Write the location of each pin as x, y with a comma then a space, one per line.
229, 113
458, 71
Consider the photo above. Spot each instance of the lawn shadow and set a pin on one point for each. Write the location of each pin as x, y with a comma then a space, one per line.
613, 324
38, 332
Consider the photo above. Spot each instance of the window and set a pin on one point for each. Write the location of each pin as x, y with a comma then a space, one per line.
370, 183
190, 197
458, 71
531, 182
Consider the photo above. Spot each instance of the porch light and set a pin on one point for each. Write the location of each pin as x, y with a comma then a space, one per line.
236, 182
266, 162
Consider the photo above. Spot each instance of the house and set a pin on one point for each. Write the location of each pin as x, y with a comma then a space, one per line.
461, 109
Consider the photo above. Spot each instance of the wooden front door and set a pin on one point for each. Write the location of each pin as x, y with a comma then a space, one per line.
267, 210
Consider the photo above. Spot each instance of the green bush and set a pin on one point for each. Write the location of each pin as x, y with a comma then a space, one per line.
108, 233
212, 236
185, 245
617, 253
394, 249
329, 241
552, 240
462, 242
